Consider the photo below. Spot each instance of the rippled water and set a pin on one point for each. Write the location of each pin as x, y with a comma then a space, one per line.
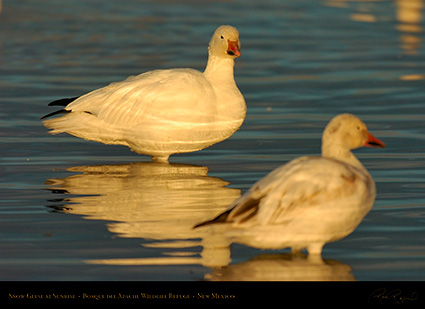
77, 210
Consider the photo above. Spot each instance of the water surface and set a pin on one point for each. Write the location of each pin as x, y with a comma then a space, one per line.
77, 210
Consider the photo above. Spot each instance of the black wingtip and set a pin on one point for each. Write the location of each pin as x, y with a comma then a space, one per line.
62, 102
62, 111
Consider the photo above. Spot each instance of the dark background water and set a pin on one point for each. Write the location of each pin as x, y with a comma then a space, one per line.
77, 210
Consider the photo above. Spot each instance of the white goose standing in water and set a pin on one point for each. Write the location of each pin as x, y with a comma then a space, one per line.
310, 201
162, 112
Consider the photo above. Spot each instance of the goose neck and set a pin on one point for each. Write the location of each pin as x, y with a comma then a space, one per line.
219, 69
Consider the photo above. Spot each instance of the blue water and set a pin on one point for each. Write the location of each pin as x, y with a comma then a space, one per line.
77, 210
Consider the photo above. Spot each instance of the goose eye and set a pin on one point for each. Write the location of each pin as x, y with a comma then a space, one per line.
222, 37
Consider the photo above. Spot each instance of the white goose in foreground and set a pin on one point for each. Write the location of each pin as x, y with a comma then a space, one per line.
162, 112
310, 201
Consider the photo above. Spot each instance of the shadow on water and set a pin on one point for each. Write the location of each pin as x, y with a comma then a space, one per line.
160, 203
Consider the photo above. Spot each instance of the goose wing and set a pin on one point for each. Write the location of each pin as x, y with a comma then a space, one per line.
177, 94
294, 188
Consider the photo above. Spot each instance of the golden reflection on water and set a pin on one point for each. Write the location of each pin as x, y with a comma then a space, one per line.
409, 17
408, 14
161, 203
264, 267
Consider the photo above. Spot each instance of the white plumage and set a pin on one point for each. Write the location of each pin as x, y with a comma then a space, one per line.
310, 201
162, 112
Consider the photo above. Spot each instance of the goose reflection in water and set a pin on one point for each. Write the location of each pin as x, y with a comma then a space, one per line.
158, 202
161, 203
145, 200
283, 267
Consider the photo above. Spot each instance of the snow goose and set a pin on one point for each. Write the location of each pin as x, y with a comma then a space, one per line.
310, 201
162, 112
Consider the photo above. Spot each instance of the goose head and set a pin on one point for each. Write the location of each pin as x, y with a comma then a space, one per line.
344, 133
225, 43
